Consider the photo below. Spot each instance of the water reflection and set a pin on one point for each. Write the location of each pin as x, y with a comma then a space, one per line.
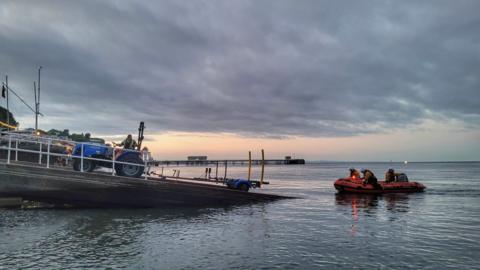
369, 203
397, 202
388, 206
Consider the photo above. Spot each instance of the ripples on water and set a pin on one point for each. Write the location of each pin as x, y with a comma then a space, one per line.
438, 229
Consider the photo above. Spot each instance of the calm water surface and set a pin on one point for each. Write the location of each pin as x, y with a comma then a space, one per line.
437, 229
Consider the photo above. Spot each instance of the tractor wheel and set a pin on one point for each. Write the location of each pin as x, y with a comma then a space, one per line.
244, 187
88, 165
130, 170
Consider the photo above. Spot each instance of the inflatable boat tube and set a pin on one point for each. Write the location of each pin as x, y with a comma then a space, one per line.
351, 185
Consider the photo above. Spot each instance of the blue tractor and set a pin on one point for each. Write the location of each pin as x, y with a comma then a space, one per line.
104, 154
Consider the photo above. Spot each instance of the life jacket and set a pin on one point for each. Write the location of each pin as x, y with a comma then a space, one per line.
369, 176
390, 177
129, 144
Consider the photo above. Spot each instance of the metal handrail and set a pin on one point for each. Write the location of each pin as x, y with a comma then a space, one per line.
48, 141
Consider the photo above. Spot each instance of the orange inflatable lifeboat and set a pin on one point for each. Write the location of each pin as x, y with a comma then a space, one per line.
355, 185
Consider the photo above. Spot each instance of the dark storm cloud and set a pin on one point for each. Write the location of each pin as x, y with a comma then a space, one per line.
269, 68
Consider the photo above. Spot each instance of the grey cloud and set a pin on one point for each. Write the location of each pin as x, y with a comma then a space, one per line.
256, 68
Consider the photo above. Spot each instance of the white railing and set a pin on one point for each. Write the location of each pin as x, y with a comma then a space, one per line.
18, 138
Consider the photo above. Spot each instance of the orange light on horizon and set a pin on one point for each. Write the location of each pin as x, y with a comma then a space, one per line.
179, 145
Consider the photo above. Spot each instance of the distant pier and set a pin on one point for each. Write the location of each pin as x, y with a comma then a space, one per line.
230, 162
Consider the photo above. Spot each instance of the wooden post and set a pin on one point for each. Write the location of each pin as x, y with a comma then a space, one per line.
263, 168
249, 165
216, 172
225, 176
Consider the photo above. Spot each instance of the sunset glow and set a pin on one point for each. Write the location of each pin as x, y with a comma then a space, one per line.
415, 144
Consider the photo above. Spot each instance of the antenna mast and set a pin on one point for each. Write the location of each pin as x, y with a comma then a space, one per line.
37, 100
8, 109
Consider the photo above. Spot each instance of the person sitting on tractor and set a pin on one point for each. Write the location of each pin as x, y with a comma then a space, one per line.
128, 143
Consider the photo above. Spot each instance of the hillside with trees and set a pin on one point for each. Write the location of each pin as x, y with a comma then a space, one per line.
3, 117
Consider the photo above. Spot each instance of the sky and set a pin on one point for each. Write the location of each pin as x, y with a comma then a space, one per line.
321, 80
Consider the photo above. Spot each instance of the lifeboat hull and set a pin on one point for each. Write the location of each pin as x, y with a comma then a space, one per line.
350, 185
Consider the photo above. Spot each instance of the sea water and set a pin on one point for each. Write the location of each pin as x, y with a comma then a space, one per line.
436, 229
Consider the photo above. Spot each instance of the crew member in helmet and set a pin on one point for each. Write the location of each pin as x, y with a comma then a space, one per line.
354, 174
370, 178
128, 143
390, 176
